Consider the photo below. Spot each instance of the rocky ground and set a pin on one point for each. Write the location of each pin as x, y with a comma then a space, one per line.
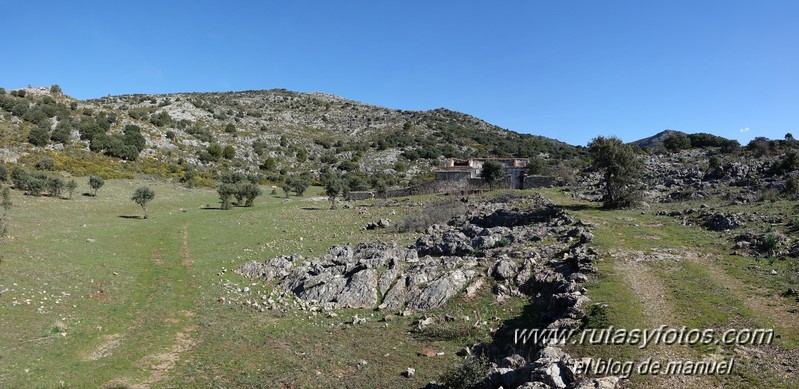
524, 246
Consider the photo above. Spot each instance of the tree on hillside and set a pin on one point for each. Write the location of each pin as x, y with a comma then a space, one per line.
71, 186
6, 204
56, 90
214, 151
492, 173
62, 133
132, 136
299, 185
96, 182
334, 187
677, 141
226, 191
142, 196
39, 135
249, 192
228, 152
296, 184
55, 185
536, 166
622, 170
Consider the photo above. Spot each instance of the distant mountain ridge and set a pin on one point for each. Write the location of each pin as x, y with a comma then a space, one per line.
655, 141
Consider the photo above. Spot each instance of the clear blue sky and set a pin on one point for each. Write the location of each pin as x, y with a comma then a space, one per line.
564, 69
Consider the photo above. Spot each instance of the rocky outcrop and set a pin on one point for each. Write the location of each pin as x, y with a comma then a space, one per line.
380, 224
719, 222
493, 241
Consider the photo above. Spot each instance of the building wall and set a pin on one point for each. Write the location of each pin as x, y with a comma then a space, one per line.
532, 182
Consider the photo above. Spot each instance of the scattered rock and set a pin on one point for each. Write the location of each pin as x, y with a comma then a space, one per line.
719, 222
380, 224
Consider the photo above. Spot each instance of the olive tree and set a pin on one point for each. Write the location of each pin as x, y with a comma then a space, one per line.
96, 182
226, 191
71, 186
335, 187
249, 192
622, 169
142, 196
6, 204
492, 173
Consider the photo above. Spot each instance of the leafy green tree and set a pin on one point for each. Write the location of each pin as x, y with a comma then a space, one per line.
300, 185
142, 196
71, 186
96, 182
20, 178
132, 136
232, 178
249, 192
6, 204
3, 173
39, 136
714, 163
55, 185
45, 163
380, 186
229, 152
788, 163
56, 90
162, 119
215, 151
677, 141
287, 187
759, 146
622, 170
492, 173
230, 128
302, 155
62, 133
35, 186
535, 166
269, 164
226, 191
296, 184
20, 108
335, 187
730, 146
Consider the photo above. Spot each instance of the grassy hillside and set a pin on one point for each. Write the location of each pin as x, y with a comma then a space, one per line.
274, 133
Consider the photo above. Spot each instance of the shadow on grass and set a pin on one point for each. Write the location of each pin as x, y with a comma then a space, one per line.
131, 217
584, 207
313, 209
501, 343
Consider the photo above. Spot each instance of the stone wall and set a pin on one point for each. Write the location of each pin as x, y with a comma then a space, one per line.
457, 188
532, 182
